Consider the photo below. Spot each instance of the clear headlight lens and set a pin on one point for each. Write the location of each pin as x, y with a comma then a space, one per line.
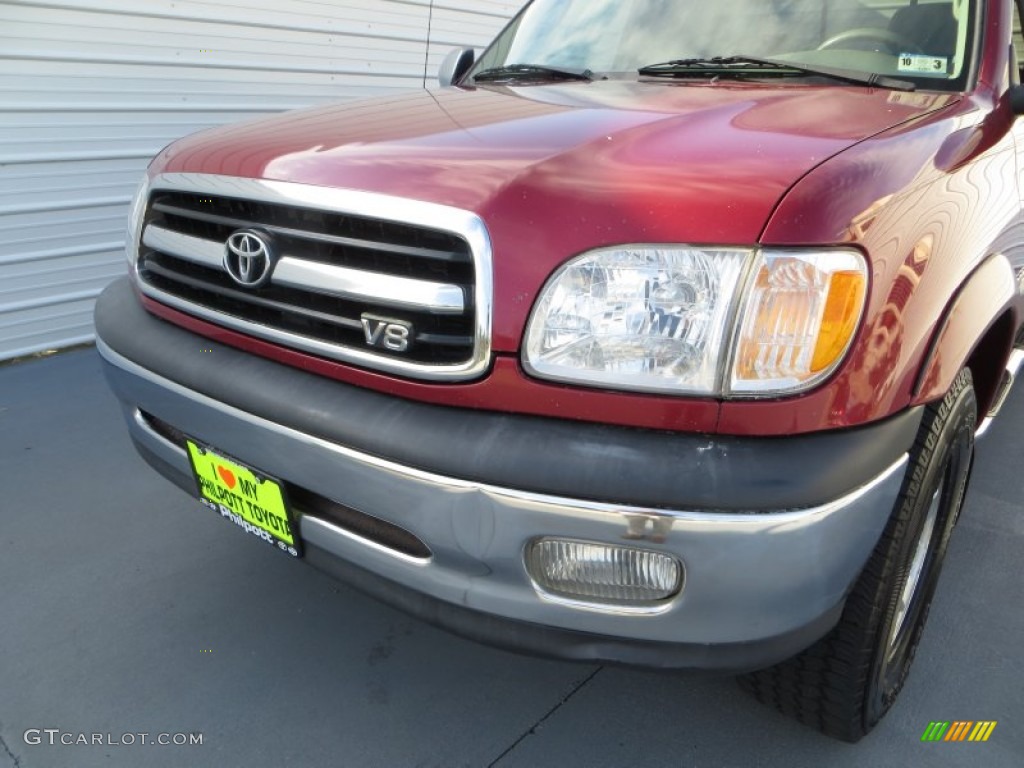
652, 319
800, 314
671, 318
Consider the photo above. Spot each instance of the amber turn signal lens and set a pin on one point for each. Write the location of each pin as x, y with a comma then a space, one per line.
842, 311
801, 311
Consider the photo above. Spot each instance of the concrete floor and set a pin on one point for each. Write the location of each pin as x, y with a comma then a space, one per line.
126, 607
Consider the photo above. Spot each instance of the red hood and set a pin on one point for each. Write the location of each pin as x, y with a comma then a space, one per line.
555, 170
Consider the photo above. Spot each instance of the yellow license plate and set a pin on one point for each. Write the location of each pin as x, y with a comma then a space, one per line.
252, 501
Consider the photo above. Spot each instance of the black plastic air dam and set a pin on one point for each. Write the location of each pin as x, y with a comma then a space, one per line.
608, 464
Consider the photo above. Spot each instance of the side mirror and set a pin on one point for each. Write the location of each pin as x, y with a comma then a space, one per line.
455, 65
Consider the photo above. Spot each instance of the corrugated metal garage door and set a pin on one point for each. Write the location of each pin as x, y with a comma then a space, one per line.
91, 89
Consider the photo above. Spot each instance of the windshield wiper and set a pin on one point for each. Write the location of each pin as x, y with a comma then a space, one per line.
531, 72
740, 66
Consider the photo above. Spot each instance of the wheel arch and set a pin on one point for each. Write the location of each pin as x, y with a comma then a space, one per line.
977, 332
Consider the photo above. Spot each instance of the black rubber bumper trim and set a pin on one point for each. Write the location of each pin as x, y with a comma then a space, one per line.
594, 462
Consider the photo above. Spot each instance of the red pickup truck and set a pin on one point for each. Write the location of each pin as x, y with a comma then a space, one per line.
660, 335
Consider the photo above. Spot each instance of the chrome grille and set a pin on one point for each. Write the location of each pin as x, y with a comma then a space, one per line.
333, 269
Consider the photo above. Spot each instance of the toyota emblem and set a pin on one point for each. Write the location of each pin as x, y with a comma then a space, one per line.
248, 258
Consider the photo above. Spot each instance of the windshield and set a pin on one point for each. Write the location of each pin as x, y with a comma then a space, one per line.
928, 43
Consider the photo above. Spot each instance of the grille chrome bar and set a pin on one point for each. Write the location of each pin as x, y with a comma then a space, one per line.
194, 249
395, 291
322, 278
237, 295
338, 252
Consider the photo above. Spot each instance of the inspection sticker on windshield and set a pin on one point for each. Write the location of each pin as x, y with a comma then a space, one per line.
923, 64
253, 502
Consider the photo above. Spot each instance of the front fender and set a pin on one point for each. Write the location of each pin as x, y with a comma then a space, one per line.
987, 296
930, 227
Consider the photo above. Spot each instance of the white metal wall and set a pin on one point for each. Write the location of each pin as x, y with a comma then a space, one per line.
91, 89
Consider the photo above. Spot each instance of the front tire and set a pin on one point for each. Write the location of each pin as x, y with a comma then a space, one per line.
845, 683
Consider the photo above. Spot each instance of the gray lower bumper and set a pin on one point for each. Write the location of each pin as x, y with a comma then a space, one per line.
766, 582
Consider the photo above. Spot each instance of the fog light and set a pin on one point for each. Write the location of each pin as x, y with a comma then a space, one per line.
603, 573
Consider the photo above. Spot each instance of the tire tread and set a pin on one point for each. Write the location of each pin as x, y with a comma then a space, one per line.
824, 687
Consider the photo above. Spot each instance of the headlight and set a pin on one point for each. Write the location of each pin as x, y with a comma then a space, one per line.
697, 321
652, 319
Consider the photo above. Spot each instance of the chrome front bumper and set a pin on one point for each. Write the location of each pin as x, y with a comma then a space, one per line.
767, 581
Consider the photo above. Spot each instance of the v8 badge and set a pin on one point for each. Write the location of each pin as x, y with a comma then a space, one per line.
387, 333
